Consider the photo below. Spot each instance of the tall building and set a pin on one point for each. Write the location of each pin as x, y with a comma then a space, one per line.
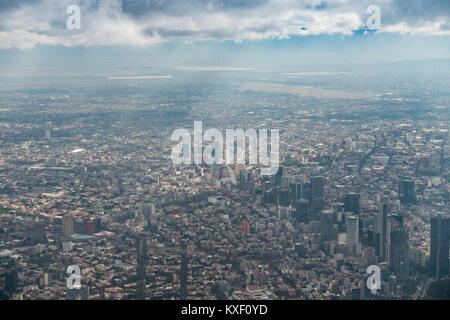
301, 210
439, 245
285, 194
271, 196
284, 183
307, 191
283, 213
245, 227
296, 191
352, 224
399, 252
184, 271
48, 130
383, 231
406, 191
148, 210
67, 225
88, 226
317, 184
141, 244
352, 203
284, 197
98, 225
67, 246
11, 281
277, 177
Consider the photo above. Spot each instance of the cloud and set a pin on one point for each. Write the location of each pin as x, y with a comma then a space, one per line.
26, 23
9, 4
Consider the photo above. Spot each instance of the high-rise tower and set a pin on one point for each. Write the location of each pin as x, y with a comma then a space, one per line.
383, 231
141, 244
439, 245
317, 184
406, 191
399, 247
352, 203
67, 225
48, 130
352, 223
183, 271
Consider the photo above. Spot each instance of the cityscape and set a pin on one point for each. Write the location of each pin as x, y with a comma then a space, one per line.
93, 206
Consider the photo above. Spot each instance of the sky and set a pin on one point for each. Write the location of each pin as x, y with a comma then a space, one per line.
224, 31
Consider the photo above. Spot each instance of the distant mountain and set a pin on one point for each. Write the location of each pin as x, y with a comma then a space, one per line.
434, 70
429, 64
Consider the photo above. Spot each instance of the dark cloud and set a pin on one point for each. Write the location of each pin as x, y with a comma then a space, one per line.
422, 7
416, 12
322, 5
241, 4
177, 7
143, 7
11, 4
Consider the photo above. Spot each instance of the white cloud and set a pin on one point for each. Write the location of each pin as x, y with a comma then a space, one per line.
434, 28
104, 22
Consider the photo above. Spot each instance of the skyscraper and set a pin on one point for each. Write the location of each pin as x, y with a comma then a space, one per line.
148, 210
11, 280
98, 225
284, 184
285, 194
352, 203
283, 212
439, 245
88, 226
301, 210
141, 244
67, 225
184, 271
399, 247
352, 223
317, 184
296, 191
48, 130
383, 231
277, 177
406, 191
399, 252
284, 197
245, 227
307, 191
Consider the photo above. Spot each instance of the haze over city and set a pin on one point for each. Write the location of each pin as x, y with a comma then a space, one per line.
116, 181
